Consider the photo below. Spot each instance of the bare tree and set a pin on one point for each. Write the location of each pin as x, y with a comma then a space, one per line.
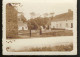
45, 14
32, 14
49, 21
51, 14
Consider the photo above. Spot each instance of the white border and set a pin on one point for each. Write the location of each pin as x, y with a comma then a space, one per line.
73, 52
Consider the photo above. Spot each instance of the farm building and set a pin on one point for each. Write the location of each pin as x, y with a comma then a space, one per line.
22, 24
63, 21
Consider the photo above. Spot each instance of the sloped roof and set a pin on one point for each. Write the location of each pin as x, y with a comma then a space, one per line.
22, 24
22, 17
64, 16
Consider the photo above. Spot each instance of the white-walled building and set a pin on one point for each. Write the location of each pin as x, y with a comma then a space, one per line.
22, 25
63, 21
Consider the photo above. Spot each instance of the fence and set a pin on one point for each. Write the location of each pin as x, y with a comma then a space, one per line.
29, 33
44, 33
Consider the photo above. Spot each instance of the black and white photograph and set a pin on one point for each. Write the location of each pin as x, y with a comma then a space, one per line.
39, 27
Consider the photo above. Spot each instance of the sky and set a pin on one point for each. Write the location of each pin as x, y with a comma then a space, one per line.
45, 6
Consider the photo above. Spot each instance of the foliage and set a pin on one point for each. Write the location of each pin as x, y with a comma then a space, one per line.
37, 22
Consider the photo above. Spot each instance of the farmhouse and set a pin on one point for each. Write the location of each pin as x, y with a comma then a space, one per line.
63, 21
22, 24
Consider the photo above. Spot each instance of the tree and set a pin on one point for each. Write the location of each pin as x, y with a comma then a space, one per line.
38, 21
51, 14
32, 15
45, 14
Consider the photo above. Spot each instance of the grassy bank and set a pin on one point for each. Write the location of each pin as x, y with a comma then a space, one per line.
53, 48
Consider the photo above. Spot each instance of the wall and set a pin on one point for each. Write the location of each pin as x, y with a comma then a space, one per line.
66, 24
22, 26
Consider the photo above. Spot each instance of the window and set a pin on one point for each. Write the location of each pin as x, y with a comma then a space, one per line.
25, 27
60, 25
22, 28
53, 26
66, 24
71, 25
57, 25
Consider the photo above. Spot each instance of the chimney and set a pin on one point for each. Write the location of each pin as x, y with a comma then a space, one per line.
69, 10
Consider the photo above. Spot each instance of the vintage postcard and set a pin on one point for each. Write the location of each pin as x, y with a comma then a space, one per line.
39, 27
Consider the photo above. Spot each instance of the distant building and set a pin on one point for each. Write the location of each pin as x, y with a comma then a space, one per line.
42, 28
22, 24
11, 21
63, 21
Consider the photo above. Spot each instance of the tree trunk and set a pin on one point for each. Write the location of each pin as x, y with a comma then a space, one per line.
30, 32
40, 32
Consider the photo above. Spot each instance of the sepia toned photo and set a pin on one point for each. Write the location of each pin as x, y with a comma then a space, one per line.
40, 27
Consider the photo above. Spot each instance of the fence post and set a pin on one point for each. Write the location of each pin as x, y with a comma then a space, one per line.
40, 32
